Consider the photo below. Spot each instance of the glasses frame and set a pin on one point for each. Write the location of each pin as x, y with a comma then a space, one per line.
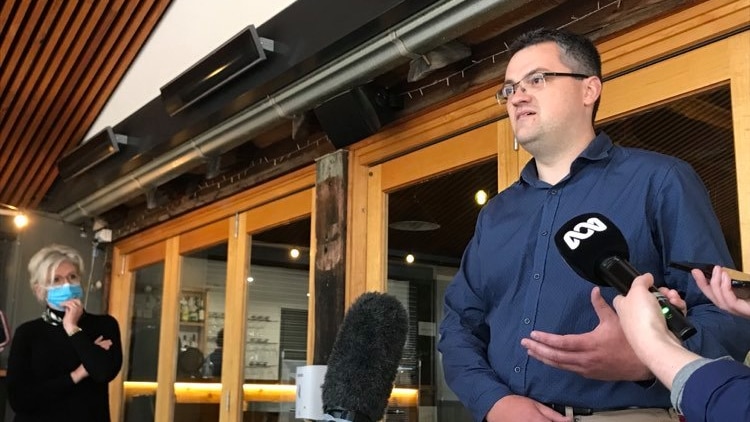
502, 99
72, 278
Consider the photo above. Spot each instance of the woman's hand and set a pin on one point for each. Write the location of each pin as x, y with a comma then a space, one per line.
73, 311
79, 374
719, 291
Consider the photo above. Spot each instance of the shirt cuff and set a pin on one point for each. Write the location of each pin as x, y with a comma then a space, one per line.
678, 383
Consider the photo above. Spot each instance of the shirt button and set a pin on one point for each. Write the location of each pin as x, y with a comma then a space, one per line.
537, 276
553, 192
517, 369
545, 233
526, 321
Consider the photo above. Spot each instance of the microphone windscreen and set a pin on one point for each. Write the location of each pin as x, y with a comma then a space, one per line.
365, 356
586, 240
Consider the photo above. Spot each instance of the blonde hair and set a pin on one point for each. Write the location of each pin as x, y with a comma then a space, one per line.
44, 263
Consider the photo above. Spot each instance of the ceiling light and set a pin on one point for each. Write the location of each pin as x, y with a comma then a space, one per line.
294, 253
21, 220
481, 197
409, 259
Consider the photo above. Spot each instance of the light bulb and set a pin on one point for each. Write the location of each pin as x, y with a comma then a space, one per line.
294, 253
480, 197
410, 258
20, 220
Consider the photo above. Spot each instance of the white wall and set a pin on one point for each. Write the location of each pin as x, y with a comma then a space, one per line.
188, 31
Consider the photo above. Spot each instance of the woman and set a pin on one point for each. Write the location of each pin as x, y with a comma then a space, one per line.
60, 364
702, 389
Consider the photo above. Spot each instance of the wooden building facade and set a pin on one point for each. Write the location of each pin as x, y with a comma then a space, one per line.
226, 266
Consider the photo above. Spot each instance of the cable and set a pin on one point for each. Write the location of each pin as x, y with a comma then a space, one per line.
94, 245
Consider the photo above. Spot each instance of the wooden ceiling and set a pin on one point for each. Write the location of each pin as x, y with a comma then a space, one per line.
59, 63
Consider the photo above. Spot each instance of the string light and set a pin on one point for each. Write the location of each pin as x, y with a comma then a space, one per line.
211, 185
462, 73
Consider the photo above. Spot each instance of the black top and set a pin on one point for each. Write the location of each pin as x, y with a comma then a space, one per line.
215, 358
42, 356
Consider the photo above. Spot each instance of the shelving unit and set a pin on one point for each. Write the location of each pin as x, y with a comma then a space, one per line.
192, 307
262, 347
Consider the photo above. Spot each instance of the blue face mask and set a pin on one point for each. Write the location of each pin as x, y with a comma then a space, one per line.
56, 295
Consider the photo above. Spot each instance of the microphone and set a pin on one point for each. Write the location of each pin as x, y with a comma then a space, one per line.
597, 251
364, 359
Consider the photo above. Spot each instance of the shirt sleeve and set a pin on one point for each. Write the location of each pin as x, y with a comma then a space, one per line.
717, 391
686, 229
101, 364
464, 338
678, 383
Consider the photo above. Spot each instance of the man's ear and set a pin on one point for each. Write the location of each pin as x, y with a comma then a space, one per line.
592, 90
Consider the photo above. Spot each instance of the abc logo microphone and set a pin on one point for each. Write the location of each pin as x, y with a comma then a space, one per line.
597, 251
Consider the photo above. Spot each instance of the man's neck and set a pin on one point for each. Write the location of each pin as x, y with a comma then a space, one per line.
552, 168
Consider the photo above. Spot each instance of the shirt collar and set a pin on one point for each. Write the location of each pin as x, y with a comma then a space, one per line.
598, 149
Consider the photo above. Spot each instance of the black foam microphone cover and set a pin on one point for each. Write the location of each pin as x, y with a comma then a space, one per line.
364, 359
597, 250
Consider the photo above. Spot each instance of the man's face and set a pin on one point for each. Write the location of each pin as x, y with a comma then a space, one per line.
544, 112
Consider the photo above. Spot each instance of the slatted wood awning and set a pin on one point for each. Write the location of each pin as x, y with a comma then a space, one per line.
59, 63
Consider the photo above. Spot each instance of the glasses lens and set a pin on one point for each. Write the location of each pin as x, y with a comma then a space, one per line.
504, 93
535, 81
70, 278
499, 97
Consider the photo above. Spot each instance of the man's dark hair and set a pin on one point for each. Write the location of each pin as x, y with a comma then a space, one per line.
577, 51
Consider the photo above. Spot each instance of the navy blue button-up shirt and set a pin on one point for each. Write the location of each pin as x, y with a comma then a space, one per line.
512, 279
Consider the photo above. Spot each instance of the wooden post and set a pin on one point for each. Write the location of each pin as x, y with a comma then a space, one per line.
330, 257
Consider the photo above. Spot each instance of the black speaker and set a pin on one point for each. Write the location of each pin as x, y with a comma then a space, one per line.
355, 114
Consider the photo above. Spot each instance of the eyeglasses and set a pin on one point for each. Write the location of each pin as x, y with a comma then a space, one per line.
72, 278
532, 82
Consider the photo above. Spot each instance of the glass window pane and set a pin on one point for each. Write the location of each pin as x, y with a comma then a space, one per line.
201, 315
697, 129
144, 341
426, 240
276, 317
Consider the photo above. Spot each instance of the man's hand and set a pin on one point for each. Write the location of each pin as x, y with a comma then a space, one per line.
518, 408
674, 298
103, 343
602, 354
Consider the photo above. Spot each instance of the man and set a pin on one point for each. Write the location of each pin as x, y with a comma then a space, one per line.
524, 338
702, 389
